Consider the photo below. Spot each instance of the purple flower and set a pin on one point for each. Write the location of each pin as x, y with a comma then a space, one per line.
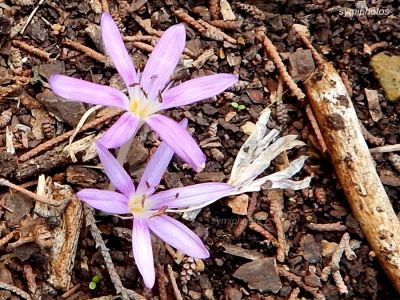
148, 93
148, 208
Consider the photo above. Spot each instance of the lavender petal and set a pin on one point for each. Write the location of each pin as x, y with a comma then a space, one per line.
178, 236
108, 201
115, 172
179, 140
122, 130
115, 48
196, 90
84, 91
142, 251
156, 167
163, 60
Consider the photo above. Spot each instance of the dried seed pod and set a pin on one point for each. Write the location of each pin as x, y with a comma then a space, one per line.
282, 113
395, 161
124, 9
214, 9
319, 195
252, 10
189, 20
5, 118
214, 33
236, 24
48, 130
15, 57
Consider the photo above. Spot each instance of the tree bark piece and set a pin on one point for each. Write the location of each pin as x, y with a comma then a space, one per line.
354, 167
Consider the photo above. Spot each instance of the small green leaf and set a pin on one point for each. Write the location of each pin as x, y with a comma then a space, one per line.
241, 106
235, 104
96, 279
92, 285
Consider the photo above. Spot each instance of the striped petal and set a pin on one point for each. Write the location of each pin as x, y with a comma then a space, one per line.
108, 201
196, 90
178, 236
156, 167
163, 60
179, 140
116, 49
190, 196
122, 130
115, 172
142, 251
84, 91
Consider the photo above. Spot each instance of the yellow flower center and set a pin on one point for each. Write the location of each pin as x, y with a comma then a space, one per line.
137, 205
141, 106
141, 110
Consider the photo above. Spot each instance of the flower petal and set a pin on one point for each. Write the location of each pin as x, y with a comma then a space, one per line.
197, 89
156, 166
171, 132
84, 91
108, 201
163, 60
122, 130
116, 49
178, 236
115, 172
142, 251
193, 195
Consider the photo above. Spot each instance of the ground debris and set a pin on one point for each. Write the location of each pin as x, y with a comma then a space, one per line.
260, 274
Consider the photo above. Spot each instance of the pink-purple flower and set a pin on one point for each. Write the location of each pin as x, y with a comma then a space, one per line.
148, 208
148, 93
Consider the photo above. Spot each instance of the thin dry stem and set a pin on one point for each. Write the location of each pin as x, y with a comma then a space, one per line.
177, 292
297, 279
30, 194
276, 208
327, 227
31, 49
49, 144
88, 51
274, 56
261, 230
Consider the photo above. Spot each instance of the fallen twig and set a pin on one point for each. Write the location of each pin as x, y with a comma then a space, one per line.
88, 51
177, 292
31, 49
297, 279
274, 56
327, 227
275, 198
49, 144
354, 167
28, 193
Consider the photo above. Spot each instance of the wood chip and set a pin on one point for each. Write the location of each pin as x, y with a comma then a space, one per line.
373, 104
239, 204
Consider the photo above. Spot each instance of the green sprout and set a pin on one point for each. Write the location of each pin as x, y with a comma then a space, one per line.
94, 282
238, 106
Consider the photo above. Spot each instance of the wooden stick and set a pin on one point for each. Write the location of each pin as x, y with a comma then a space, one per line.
354, 167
